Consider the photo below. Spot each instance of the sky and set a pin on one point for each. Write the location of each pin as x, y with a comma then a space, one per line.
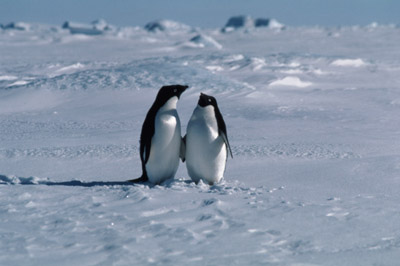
202, 13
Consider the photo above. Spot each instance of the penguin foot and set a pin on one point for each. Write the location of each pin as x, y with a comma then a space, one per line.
141, 179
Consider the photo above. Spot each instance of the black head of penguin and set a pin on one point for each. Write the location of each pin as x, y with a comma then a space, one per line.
206, 100
167, 92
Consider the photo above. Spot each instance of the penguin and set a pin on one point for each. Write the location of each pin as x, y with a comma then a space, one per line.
160, 139
206, 142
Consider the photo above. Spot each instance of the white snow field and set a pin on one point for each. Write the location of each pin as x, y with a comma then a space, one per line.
312, 116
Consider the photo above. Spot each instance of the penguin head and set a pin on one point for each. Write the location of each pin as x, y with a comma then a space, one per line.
206, 100
167, 92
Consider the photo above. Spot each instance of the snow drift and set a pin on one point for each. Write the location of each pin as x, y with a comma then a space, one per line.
202, 41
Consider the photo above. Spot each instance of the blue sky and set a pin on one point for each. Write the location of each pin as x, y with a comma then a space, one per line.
202, 13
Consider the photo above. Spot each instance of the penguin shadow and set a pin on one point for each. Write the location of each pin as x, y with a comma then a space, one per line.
77, 183
6, 180
32, 181
170, 183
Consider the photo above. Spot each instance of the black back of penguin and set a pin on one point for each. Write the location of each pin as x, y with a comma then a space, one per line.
148, 127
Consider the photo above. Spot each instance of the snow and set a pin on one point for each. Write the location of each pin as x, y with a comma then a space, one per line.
6, 78
70, 68
165, 25
291, 82
16, 26
97, 27
18, 83
270, 23
313, 125
247, 23
202, 41
349, 62
238, 22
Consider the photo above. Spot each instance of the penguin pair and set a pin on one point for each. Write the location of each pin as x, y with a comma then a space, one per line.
204, 148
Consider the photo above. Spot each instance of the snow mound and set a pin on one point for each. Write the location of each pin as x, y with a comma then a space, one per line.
18, 83
7, 78
257, 63
166, 26
97, 27
349, 62
16, 26
238, 22
290, 82
70, 68
202, 41
247, 22
215, 68
376, 26
269, 23
13, 180
101, 24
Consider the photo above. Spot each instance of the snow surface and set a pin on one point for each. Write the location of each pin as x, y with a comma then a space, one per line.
312, 116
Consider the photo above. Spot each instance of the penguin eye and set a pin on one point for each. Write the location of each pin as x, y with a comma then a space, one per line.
209, 100
175, 90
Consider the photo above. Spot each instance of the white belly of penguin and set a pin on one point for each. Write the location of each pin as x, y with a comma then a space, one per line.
205, 149
165, 146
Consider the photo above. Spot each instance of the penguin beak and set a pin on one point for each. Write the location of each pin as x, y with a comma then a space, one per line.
181, 89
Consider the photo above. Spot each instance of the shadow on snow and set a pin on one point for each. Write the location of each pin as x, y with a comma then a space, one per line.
11, 180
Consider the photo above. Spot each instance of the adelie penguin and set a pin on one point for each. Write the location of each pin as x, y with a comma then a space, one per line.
160, 139
207, 144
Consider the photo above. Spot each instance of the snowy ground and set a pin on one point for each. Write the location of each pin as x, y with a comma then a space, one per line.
313, 120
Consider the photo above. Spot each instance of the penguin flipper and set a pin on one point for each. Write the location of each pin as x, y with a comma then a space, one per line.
228, 147
182, 150
141, 179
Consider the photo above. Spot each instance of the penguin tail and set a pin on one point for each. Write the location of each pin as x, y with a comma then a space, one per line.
141, 179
